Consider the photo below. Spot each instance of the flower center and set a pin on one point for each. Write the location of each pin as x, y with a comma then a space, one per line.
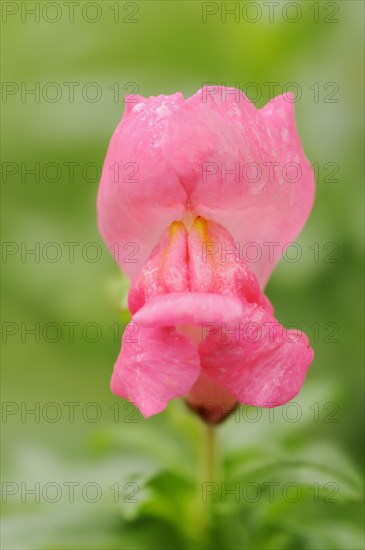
195, 255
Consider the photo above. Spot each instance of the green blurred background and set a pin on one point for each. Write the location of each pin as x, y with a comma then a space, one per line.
136, 482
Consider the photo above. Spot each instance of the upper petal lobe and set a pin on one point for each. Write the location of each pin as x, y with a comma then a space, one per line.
214, 154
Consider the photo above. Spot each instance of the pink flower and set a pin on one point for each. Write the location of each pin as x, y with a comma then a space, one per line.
195, 186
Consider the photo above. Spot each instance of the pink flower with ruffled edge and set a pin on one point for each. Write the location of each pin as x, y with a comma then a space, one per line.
211, 175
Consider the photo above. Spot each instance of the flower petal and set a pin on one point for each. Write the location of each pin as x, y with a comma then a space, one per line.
189, 308
154, 366
165, 271
139, 194
257, 360
243, 168
216, 265
202, 154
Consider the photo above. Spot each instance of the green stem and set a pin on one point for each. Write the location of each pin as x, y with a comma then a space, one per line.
202, 512
210, 453
209, 475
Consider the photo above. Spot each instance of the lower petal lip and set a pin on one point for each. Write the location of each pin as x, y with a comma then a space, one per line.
188, 308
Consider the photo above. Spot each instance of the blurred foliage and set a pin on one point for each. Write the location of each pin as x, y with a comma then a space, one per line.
171, 49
